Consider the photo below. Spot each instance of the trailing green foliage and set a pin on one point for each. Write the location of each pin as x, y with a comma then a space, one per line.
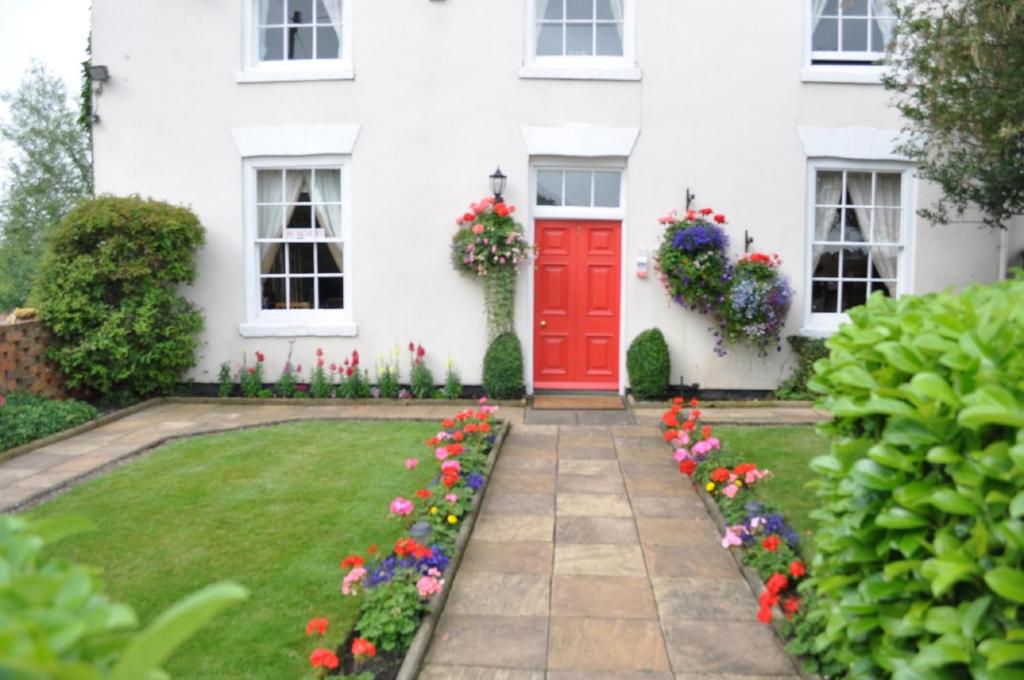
921, 532
57, 622
500, 301
503, 368
109, 291
25, 418
807, 351
648, 364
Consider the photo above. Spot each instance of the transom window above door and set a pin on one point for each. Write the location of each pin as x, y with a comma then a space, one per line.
850, 32
582, 28
857, 239
579, 188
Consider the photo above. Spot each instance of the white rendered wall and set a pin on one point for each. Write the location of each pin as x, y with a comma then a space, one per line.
440, 103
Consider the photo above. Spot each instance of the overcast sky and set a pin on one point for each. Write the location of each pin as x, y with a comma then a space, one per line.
53, 31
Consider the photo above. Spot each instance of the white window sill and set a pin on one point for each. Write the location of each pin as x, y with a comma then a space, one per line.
595, 72
857, 75
262, 74
345, 329
818, 331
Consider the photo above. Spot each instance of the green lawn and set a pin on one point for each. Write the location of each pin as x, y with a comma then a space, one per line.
275, 509
787, 452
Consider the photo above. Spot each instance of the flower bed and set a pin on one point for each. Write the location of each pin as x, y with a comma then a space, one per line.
401, 584
757, 534
25, 418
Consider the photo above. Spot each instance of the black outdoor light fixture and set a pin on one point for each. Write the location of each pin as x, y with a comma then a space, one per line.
498, 181
99, 75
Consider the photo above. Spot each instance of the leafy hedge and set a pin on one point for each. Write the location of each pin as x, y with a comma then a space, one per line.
503, 368
648, 364
108, 289
807, 351
921, 535
25, 418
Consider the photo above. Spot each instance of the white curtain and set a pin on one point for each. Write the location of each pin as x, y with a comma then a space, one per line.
885, 17
333, 8
817, 7
829, 191
886, 228
327, 189
273, 227
617, 14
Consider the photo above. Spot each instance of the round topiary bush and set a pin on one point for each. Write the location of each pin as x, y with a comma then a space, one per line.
503, 368
108, 289
920, 543
648, 365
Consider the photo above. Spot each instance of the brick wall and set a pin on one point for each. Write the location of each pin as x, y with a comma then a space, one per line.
22, 366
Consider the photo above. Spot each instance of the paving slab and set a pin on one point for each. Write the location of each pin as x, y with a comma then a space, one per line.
503, 641
624, 597
606, 645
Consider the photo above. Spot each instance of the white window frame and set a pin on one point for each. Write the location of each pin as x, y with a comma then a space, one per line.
295, 322
256, 71
865, 73
822, 324
578, 212
581, 67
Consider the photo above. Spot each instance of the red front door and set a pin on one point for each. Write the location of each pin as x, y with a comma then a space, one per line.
576, 305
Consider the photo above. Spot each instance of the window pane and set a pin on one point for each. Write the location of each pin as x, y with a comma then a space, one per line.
887, 227
300, 258
855, 8
549, 9
300, 11
887, 288
549, 187
301, 293
828, 262
271, 44
855, 263
549, 40
273, 293
580, 9
577, 187
271, 12
855, 293
327, 44
579, 39
607, 189
853, 232
855, 35
877, 35
269, 221
328, 258
271, 258
887, 189
824, 297
609, 10
297, 182
858, 188
885, 263
831, 8
328, 218
300, 42
268, 186
609, 40
323, 16
332, 293
826, 36
301, 217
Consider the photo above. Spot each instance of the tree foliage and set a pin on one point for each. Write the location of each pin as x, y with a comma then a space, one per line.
50, 170
957, 70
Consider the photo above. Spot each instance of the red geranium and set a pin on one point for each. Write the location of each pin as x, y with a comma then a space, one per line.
484, 427
720, 218
706, 211
318, 626
776, 583
764, 615
768, 599
719, 475
352, 561
458, 436
447, 423
363, 648
670, 435
424, 493
502, 210
705, 431
771, 544
678, 401
797, 569
790, 605
694, 402
323, 658
372, 549
687, 467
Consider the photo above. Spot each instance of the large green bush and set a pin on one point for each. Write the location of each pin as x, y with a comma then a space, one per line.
24, 418
503, 368
648, 365
807, 351
921, 534
56, 623
109, 290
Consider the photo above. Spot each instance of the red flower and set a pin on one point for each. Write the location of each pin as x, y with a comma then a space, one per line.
422, 552
420, 351
694, 403
468, 217
719, 475
771, 544
678, 401
447, 423
744, 468
259, 357
323, 658
670, 435
502, 210
412, 347
450, 479
797, 569
318, 626
458, 436
687, 467
349, 372
352, 561
694, 414
484, 427
363, 648
319, 352
250, 371
454, 449
706, 211
424, 493
372, 549
768, 599
764, 615
705, 431
720, 219
470, 428
688, 425
691, 215
790, 605
355, 358
334, 368
777, 582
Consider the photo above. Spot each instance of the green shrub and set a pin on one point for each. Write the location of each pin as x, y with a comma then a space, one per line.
921, 532
225, 381
25, 418
648, 365
452, 382
503, 368
807, 351
421, 381
57, 623
109, 290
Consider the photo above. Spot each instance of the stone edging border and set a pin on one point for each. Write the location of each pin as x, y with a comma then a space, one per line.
417, 651
730, 403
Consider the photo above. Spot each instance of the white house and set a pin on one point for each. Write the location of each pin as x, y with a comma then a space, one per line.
378, 121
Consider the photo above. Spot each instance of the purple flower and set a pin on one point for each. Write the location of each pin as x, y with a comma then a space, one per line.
475, 480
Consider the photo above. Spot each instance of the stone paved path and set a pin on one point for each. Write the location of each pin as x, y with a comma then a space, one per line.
593, 559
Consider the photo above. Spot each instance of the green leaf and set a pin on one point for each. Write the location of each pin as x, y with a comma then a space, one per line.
900, 518
1004, 653
854, 376
153, 646
944, 574
943, 455
1006, 582
991, 405
1017, 505
942, 620
874, 476
973, 615
933, 386
953, 502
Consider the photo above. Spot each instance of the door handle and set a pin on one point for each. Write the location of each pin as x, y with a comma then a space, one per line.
543, 324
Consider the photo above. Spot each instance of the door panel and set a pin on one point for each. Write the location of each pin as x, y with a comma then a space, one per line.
576, 309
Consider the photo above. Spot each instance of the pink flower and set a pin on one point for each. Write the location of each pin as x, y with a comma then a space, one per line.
440, 453
483, 400
731, 490
732, 538
353, 577
681, 455
401, 506
478, 228
430, 584
451, 466
451, 498
411, 463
